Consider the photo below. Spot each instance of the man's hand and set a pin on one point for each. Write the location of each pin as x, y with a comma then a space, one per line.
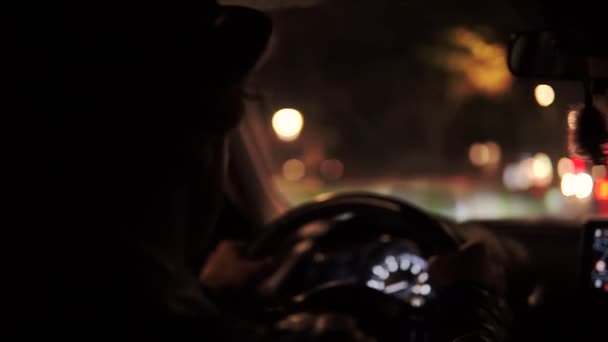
470, 264
226, 268
473, 285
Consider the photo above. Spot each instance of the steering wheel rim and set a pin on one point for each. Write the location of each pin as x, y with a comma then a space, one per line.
360, 202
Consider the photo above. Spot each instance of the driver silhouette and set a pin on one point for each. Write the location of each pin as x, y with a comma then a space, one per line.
143, 96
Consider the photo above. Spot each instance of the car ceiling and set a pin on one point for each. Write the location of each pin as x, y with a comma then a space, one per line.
529, 10
271, 4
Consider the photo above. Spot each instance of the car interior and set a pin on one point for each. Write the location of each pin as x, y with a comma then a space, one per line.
355, 237
416, 166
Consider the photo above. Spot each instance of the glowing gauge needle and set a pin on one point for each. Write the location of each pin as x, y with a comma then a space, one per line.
396, 287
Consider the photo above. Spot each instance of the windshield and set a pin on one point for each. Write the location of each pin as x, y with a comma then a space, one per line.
414, 99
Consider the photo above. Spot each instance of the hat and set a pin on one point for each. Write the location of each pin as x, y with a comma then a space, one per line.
241, 36
232, 38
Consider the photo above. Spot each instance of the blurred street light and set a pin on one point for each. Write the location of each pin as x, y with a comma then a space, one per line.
584, 185
515, 178
495, 153
601, 189
485, 154
568, 184
544, 94
479, 154
294, 170
579, 165
579, 185
542, 169
287, 124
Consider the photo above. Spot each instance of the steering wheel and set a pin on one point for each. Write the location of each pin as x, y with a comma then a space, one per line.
344, 222
381, 229
411, 223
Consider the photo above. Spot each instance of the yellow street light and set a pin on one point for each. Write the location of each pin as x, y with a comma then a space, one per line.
287, 124
544, 94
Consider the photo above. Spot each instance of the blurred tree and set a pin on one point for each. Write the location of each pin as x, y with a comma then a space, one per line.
402, 87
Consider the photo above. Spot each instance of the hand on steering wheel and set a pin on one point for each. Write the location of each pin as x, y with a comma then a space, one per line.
369, 218
468, 265
227, 268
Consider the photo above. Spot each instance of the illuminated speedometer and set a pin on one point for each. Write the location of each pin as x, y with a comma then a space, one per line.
403, 276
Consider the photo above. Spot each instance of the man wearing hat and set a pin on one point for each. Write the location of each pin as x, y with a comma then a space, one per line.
139, 97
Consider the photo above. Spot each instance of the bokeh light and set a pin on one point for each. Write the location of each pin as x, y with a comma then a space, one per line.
579, 165
482, 63
332, 169
287, 124
544, 94
495, 153
601, 189
479, 154
584, 185
579, 185
515, 178
542, 170
509, 177
568, 185
294, 170
565, 165
527, 170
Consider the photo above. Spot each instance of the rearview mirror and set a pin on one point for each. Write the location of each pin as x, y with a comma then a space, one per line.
541, 54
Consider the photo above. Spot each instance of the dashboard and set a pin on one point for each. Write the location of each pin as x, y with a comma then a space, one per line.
543, 261
553, 268
393, 266
554, 293
402, 274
